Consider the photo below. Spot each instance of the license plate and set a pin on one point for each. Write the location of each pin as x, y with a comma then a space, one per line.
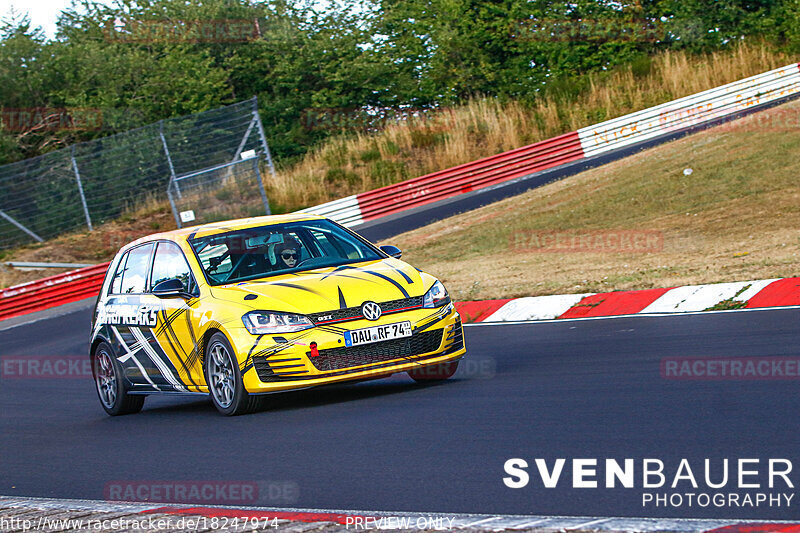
377, 333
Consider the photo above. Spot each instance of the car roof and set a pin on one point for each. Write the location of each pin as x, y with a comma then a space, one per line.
224, 226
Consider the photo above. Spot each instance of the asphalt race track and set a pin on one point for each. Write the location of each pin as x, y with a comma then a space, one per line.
572, 389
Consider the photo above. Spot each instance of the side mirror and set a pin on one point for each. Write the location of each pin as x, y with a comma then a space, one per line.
170, 288
392, 251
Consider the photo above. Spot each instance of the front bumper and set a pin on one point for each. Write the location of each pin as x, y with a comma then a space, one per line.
273, 363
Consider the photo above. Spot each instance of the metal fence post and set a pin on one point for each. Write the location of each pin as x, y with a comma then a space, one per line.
80, 187
172, 204
257, 118
244, 140
169, 159
261, 186
21, 227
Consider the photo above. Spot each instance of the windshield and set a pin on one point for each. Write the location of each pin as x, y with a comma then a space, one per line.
278, 249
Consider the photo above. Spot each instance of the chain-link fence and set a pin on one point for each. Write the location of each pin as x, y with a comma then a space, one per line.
93, 182
232, 190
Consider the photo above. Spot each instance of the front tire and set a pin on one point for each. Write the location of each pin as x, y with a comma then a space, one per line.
109, 384
433, 373
225, 379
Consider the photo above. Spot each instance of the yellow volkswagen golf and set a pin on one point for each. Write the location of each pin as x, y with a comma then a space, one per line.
244, 308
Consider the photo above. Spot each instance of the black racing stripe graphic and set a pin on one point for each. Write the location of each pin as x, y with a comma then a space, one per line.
254, 345
194, 354
300, 287
377, 274
405, 276
130, 368
153, 342
390, 280
247, 366
184, 363
168, 320
358, 278
332, 329
269, 351
342, 301
337, 270
436, 319
168, 331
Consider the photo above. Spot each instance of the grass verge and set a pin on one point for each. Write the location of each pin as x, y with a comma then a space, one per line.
734, 217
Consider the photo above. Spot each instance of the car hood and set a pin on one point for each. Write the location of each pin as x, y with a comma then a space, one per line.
329, 288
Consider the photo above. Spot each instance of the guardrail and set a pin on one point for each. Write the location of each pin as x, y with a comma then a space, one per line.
681, 115
52, 291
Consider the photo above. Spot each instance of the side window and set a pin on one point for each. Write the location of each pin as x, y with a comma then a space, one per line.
170, 263
216, 259
116, 281
134, 280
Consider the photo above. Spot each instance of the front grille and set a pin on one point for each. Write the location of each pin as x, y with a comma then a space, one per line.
457, 334
354, 313
283, 367
417, 344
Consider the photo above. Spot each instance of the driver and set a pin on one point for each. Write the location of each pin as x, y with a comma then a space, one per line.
288, 253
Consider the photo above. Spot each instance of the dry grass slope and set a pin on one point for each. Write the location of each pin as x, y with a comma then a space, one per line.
480, 128
734, 218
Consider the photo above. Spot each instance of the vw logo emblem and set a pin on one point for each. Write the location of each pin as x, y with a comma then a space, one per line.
371, 310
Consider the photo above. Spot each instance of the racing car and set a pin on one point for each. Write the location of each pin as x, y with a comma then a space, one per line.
240, 309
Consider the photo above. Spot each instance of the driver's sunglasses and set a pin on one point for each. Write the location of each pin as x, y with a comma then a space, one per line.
289, 255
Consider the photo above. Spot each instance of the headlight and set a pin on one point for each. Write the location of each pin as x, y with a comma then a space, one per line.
268, 323
436, 296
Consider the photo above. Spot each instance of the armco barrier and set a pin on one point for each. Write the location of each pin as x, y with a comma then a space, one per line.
682, 114
691, 111
52, 291
636, 128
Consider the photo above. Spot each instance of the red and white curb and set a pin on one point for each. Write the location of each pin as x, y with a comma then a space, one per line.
757, 294
38, 514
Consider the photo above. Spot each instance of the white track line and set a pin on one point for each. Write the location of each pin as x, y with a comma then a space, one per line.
591, 523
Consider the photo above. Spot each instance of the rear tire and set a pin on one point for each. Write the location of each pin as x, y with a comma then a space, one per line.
224, 379
109, 383
433, 373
